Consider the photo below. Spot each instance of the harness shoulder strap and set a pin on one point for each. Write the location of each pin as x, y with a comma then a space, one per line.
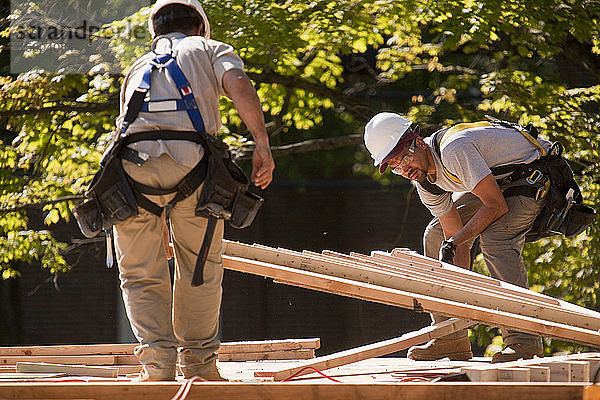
438, 138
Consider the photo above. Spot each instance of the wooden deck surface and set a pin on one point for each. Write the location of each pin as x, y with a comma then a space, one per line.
377, 378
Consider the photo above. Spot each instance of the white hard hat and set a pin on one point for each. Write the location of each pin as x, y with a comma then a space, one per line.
383, 132
195, 4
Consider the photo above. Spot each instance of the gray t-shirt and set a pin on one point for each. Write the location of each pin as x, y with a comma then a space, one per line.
204, 62
469, 155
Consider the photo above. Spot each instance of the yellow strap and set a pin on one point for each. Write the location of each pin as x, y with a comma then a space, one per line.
532, 140
467, 125
461, 127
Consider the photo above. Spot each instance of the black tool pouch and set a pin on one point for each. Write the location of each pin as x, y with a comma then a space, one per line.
558, 217
225, 194
110, 199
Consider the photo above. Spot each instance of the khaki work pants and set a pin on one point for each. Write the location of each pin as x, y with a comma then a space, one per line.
169, 320
501, 244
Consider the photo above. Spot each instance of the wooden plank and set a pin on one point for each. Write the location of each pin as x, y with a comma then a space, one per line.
594, 361
68, 350
490, 283
481, 375
296, 390
269, 345
17, 376
303, 354
513, 374
500, 293
126, 360
580, 371
369, 351
407, 283
128, 369
538, 373
560, 371
575, 315
86, 360
409, 300
466, 276
76, 370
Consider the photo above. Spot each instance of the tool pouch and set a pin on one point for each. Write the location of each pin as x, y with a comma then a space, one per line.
225, 194
110, 199
556, 217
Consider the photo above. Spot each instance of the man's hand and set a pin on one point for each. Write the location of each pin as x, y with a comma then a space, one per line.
447, 251
239, 89
262, 166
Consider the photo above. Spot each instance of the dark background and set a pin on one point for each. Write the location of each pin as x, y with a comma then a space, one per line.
84, 305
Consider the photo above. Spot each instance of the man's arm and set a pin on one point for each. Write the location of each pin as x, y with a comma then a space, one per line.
239, 89
451, 224
493, 207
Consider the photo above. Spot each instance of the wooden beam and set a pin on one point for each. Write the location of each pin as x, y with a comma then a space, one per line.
299, 390
76, 370
501, 295
303, 354
68, 350
406, 282
538, 373
513, 374
364, 291
569, 368
269, 345
86, 360
369, 351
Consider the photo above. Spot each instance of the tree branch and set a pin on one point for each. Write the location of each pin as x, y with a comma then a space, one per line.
77, 107
355, 107
582, 55
307, 146
42, 203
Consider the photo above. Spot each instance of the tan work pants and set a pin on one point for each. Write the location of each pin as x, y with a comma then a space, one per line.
502, 247
169, 320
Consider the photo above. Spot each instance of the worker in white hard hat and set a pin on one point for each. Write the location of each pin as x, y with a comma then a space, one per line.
453, 172
177, 324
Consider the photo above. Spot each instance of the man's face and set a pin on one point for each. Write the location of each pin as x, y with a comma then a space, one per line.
411, 163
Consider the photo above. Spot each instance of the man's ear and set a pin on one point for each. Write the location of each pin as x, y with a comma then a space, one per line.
420, 143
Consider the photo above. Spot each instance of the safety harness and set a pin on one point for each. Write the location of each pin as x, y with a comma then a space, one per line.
140, 102
549, 176
509, 173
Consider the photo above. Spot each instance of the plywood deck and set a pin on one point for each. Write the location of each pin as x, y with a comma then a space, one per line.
378, 378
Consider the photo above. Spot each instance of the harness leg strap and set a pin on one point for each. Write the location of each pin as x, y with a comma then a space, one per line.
197, 278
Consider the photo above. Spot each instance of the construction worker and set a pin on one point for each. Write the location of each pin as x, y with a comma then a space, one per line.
176, 322
452, 170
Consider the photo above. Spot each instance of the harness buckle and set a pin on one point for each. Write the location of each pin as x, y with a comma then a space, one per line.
185, 188
542, 190
535, 177
160, 66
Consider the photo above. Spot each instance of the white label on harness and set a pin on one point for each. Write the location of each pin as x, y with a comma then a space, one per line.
167, 105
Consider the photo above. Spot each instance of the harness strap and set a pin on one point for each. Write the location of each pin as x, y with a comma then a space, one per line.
138, 103
516, 171
163, 135
164, 105
184, 188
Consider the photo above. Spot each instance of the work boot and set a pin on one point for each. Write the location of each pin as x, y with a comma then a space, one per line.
516, 352
144, 376
454, 349
208, 372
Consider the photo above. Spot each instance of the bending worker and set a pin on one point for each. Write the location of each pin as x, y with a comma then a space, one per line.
183, 78
452, 170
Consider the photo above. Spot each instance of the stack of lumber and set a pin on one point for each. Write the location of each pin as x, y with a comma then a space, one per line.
112, 360
406, 279
290, 349
571, 368
412, 281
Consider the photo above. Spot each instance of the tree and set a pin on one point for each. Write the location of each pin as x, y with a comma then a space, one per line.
438, 62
